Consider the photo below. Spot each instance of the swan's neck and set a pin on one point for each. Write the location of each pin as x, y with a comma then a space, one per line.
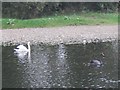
29, 47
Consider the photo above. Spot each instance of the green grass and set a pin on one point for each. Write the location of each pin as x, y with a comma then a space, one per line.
62, 20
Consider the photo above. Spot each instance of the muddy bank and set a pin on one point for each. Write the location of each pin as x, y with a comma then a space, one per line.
55, 35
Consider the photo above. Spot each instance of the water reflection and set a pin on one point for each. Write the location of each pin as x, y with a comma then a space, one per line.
61, 66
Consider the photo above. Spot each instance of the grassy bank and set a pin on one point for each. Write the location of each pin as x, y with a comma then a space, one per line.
62, 20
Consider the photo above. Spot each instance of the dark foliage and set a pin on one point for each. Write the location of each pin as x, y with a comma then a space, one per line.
27, 10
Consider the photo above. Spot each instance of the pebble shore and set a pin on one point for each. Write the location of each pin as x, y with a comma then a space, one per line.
56, 35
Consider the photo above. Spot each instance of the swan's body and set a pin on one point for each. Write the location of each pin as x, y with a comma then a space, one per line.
21, 56
22, 49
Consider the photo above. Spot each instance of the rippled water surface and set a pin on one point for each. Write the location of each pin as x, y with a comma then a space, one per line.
61, 66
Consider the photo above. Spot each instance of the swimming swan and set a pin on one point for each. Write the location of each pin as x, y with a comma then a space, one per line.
22, 49
95, 63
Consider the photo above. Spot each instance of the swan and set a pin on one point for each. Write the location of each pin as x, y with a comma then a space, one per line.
95, 63
22, 48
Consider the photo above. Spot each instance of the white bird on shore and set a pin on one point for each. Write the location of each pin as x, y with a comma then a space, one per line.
22, 49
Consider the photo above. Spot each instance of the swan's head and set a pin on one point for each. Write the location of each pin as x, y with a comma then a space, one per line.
29, 47
28, 42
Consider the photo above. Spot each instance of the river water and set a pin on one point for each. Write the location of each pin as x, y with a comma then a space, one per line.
61, 66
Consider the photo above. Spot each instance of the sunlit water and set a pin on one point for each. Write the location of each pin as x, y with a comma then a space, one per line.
61, 66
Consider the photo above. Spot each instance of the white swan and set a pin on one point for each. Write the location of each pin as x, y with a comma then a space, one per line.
22, 49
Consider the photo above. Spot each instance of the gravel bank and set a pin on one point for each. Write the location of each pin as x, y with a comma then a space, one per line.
55, 35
